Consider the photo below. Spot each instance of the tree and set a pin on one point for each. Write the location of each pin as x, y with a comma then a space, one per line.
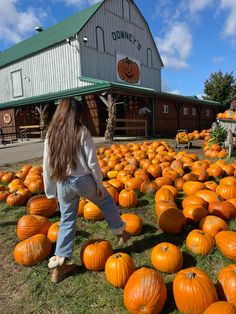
220, 87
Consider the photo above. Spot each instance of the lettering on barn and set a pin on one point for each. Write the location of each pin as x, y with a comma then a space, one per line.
126, 35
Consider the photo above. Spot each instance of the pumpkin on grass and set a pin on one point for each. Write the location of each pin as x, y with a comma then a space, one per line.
193, 291
199, 242
29, 225
167, 257
15, 199
127, 198
92, 212
226, 242
226, 283
33, 250
133, 223
223, 209
171, 220
41, 205
53, 231
212, 224
145, 292
118, 269
94, 254
221, 307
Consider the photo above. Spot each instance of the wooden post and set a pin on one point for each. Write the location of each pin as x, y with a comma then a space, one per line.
110, 102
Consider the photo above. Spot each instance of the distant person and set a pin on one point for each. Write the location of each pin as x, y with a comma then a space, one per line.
70, 171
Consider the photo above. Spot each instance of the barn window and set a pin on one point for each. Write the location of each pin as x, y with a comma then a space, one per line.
126, 10
207, 113
194, 112
165, 108
16, 80
100, 39
149, 58
185, 111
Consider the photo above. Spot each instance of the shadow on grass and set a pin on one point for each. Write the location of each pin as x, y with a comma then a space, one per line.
189, 260
148, 242
170, 302
148, 228
8, 223
143, 203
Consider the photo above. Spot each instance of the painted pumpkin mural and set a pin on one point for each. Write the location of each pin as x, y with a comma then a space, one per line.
128, 70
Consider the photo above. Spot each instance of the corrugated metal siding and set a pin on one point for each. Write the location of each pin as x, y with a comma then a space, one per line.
53, 70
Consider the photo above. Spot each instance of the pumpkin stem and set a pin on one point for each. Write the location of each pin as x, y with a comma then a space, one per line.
164, 248
117, 255
191, 275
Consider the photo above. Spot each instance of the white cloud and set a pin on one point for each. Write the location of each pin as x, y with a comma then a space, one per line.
230, 24
175, 47
195, 6
14, 24
80, 3
166, 88
218, 59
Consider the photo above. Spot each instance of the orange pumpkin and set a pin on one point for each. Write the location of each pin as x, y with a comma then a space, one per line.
226, 242
199, 242
133, 223
127, 198
212, 224
128, 70
33, 250
226, 282
167, 257
136, 298
94, 254
118, 269
41, 205
29, 225
196, 287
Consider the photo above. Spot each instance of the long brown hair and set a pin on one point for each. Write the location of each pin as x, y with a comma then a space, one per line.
64, 137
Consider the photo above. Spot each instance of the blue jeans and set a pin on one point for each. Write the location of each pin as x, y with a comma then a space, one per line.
69, 193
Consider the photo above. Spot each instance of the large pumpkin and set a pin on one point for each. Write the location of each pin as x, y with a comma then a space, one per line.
95, 253
118, 269
30, 225
33, 250
193, 291
226, 283
223, 209
41, 205
145, 292
167, 257
128, 70
226, 242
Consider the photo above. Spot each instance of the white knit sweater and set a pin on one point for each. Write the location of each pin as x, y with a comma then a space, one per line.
87, 163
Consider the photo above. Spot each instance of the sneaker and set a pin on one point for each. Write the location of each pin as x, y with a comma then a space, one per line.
123, 238
61, 272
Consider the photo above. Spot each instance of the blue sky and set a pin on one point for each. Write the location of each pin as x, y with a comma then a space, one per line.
194, 37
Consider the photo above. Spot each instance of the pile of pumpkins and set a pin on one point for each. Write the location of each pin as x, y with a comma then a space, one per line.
209, 201
227, 114
183, 137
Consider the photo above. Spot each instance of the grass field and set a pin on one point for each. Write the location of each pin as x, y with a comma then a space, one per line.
29, 290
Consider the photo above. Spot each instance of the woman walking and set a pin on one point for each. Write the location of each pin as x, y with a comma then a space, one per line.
70, 171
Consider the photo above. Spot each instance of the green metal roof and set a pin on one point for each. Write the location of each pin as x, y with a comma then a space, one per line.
48, 37
194, 99
98, 86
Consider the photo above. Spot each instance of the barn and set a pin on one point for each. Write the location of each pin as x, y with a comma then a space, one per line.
106, 56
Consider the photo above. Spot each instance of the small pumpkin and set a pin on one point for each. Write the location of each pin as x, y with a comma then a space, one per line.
92, 212
118, 269
171, 220
94, 254
128, 198
167, 257
199, 242
53, 231
133, 223
212, 224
